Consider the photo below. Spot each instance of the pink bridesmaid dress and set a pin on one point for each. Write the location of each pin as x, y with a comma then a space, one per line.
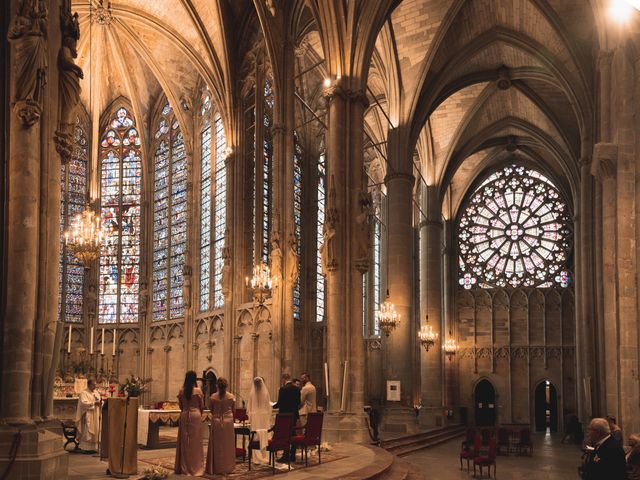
189, 447
221, 454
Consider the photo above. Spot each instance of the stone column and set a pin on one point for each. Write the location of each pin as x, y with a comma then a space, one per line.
344, 263
604, 169
431, 301
400, 342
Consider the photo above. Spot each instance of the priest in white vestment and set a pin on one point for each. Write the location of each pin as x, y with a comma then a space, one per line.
88, 417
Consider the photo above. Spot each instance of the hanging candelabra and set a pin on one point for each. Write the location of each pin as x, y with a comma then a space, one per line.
427, 336
388, 318
260, 283
85, 237
450, 348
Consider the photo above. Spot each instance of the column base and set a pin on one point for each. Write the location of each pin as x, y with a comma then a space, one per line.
432, 417
37, 449
398, 419
342, 427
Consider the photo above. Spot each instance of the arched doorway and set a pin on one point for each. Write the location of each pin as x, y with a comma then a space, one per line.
485, 402
546, 407
209, 380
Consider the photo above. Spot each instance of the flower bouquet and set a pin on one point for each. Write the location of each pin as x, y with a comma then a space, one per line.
154, 473
135, 386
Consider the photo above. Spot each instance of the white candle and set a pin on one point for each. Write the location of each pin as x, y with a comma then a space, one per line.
69, 342
102, 347
326, 378
114, 342
91, 342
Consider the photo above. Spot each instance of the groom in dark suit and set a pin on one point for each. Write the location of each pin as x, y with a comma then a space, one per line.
288, 402
606, 461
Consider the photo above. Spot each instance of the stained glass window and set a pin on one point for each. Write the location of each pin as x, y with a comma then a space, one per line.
213, 208
267, 143
297, 220
120, 189
322, 207
219, 211
169, 217
250, 125
73, 199
377, 277
515, 231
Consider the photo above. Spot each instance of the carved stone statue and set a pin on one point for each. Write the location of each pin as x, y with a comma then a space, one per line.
186, 286
328, 259
91, 301
226, 279
292, 258
276, 258
363, 231
29, 35
144, 298
70, 75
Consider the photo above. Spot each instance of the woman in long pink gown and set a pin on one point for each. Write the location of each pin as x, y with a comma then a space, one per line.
189, 447
221, 454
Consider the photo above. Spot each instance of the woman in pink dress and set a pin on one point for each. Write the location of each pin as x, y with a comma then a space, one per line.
189, 447
221, 454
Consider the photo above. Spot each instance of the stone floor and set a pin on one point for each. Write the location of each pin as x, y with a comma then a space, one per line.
362, 462
551, 460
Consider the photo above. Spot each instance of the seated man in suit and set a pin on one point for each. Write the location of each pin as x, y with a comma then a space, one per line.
288, 402
606, 461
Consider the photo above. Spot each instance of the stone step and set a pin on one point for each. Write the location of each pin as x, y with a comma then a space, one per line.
411, 443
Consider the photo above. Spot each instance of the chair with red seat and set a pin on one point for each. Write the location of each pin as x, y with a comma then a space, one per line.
469, 438
487, 435
504, 436
240, 416
312, 435
469, 454
487, 460
280, 441
524, 443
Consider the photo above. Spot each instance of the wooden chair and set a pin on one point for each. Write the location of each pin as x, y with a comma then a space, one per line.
280, 441
469, 438
311, 437
469, 454
504, 436
70, 432
240, 416
524, 443
487, 460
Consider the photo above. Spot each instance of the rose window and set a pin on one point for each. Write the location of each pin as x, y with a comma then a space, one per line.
515, 231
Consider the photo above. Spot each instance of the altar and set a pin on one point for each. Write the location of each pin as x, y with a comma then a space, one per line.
150, 421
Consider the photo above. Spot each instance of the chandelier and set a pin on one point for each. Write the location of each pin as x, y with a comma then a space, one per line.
450, 348
84, 237
427, 336
388, 318
260, 283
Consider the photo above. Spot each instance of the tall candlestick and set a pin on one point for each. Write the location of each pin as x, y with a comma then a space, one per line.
102, 346
114, 342
69, 342
91, 342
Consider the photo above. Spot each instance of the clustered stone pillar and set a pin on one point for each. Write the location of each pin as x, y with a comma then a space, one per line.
401, 341
431, 302
346, 185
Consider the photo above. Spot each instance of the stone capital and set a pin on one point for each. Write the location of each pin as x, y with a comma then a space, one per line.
393, 176
167, 348
605, 160
431, 223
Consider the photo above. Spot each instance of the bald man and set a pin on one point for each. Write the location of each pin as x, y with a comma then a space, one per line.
606, 461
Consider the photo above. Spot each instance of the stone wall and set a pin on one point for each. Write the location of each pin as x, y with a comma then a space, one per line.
516, 338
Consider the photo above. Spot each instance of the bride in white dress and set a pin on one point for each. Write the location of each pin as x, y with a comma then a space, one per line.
259, 411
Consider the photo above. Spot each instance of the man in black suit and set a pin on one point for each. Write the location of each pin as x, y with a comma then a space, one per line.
606, 461
288, 402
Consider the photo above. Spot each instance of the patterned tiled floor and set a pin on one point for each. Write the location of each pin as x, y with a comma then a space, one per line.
551, 460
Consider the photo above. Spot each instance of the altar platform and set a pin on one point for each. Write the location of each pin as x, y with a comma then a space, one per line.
343, 461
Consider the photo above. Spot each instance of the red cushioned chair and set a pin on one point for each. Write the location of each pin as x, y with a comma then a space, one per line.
281, 440
311, 437
469, 439
487, 460
524, 443
487, 435
504, 435
469, 454
240, 416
